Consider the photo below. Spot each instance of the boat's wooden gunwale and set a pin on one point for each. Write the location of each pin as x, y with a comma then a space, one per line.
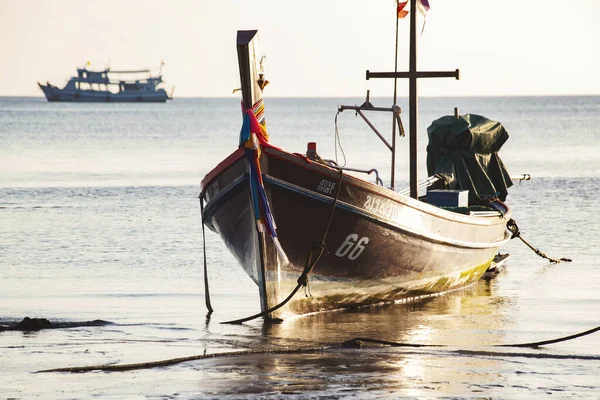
389, 194
214, 198
333, 173
389, 223
222, 166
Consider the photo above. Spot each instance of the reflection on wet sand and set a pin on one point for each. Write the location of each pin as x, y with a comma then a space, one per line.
444, 319
467, 318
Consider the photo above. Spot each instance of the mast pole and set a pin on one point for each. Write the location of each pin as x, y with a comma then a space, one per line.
412, 76
393, 174
413, 100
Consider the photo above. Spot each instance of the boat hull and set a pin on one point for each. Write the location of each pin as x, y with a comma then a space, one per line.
381, 246
53, 93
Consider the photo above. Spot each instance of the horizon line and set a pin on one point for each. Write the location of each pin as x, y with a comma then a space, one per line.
353, 97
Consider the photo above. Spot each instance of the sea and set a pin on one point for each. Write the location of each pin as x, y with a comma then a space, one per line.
100, 220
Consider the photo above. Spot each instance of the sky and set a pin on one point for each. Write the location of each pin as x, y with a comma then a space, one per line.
313, 48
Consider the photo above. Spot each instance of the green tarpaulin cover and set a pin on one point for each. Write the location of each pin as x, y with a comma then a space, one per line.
464, 152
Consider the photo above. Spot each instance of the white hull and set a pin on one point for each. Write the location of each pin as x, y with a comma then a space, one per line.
56, 94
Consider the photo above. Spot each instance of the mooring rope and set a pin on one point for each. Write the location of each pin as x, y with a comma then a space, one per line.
172, 361
318, 247
206, 291
534, 345
356, 343
516, 233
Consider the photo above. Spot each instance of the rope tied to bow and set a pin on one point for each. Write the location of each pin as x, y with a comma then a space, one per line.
516, 233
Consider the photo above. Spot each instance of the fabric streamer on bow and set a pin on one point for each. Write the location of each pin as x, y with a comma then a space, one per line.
253, 136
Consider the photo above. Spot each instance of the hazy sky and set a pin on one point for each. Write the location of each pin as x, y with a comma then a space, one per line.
313, 47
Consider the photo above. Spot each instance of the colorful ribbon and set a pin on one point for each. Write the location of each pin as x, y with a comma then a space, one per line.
252, 136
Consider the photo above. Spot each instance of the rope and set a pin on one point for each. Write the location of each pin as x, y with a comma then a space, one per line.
270, 310
206, 292
318, 247
336, 141
516, 233
356, 342
545, 342
352, 343
172, 361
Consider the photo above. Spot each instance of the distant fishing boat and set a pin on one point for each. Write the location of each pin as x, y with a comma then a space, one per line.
294, 220
109, 86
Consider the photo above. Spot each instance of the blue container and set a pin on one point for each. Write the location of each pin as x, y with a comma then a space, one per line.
448, 198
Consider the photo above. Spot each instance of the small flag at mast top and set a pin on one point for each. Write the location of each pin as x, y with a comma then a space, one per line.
401, 11
422, 6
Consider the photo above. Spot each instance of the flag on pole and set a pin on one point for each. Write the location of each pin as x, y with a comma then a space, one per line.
401, 11
422, 6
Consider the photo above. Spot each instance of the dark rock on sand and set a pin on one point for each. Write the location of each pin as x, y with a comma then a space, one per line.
36, 324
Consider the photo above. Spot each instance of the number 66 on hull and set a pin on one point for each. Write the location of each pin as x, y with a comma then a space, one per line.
352, 247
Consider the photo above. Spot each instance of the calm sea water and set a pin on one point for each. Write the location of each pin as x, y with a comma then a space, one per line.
99, 219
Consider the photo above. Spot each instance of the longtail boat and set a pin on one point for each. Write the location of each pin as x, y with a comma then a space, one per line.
293, 220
